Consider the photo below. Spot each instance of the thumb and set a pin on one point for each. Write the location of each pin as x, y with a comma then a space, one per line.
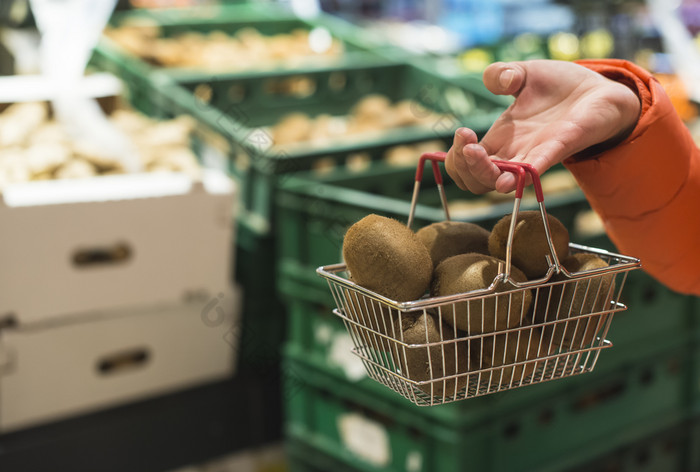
505, 78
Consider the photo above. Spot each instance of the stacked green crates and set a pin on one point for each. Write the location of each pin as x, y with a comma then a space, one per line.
369, 433
666, 451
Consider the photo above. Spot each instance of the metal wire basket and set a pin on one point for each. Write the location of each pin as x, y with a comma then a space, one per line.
415, 348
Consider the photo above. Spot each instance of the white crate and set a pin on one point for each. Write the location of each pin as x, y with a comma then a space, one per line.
76, 246
80, 364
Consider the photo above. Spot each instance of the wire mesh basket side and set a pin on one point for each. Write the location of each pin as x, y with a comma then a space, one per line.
554, 330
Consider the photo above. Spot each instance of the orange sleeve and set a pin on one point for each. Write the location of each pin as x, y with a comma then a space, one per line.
647, 189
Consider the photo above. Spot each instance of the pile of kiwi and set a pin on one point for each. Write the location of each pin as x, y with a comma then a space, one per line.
451, 258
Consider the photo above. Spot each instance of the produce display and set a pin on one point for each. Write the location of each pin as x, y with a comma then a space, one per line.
34, 146
372, 115
218, 51
402, 155
452, 258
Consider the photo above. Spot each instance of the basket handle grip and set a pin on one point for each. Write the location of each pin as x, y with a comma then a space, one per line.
518, 168
521, 168
434, 158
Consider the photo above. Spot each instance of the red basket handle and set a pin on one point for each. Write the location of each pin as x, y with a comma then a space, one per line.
520, 169
434, 158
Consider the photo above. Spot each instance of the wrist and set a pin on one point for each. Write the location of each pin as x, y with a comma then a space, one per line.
631, 99
629, 104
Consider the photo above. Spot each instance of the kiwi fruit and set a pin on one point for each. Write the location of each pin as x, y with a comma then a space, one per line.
573, 298
430, 362
450, 238
503, 349
530, 247
385, 256
467, 272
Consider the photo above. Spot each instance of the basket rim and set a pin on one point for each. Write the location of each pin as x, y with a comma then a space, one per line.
625, 264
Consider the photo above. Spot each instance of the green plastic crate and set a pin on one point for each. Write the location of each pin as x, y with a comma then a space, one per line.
370, 434
240, 108
665, 451
264, 322
267, 19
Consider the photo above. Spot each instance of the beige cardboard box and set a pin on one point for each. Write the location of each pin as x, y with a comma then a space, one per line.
75, 246
84, 363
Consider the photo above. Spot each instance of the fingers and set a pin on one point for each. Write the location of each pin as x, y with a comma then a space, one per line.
464, 136
469, 165
505, 78
453, 164
482, 171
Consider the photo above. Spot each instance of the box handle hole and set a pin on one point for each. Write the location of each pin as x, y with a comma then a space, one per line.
98, 256
123, 361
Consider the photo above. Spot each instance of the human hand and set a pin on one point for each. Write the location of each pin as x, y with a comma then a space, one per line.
560, 108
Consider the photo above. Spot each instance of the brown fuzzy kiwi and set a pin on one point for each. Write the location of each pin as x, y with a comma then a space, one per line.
467, 272
529, 242
433, 362
450, 238
507, 348
385, 256
573, 298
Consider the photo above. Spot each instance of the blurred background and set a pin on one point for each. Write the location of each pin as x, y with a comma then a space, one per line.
172, 173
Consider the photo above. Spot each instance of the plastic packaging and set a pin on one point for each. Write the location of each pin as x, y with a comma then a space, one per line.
70, 29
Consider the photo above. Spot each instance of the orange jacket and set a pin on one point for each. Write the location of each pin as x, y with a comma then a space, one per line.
647, 189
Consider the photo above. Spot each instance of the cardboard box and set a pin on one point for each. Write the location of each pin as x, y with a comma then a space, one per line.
76, 246
79, 364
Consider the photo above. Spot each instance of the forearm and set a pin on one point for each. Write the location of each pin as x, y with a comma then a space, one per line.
647, 189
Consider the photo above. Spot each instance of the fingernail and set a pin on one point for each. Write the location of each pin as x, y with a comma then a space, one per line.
471, 148
506, 78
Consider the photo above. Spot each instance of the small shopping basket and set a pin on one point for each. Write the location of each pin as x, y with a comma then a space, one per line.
415, 348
